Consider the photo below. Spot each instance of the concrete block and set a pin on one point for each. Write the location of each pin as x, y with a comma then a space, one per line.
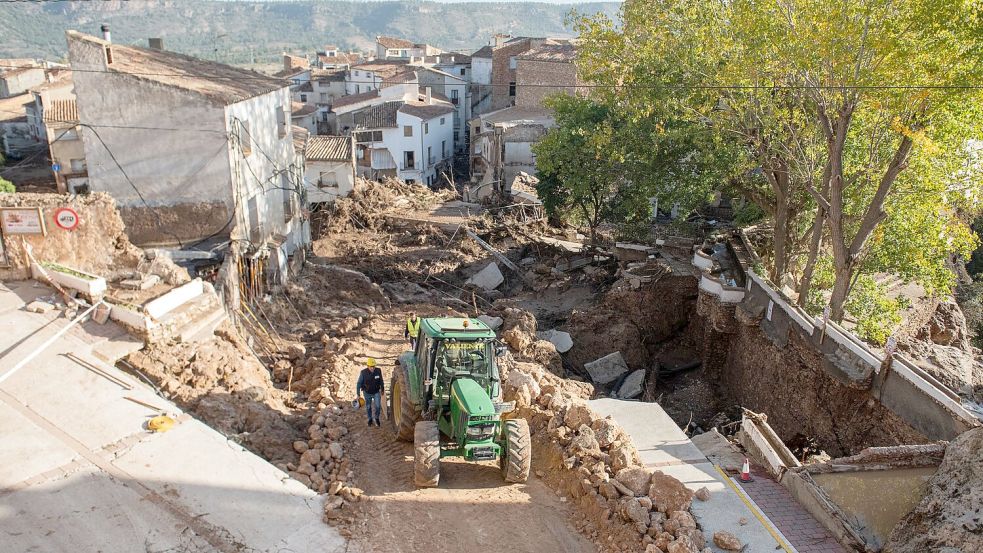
493, 323
607, 369
632, 386
561, 340
489, 278
39, 307
140, 284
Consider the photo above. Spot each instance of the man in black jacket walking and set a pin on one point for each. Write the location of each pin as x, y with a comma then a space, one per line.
372, 386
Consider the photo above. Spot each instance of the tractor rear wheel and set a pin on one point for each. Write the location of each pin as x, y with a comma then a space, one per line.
426, 454
517, 454
402, 412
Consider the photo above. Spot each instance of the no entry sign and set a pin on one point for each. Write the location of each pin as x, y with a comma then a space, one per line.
66, 218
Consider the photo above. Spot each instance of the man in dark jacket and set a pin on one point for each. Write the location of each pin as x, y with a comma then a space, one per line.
372, 386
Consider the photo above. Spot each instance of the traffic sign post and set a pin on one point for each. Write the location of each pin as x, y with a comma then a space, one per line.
67, 218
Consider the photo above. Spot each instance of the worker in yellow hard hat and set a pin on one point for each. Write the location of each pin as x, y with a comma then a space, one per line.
412, 331
371, 386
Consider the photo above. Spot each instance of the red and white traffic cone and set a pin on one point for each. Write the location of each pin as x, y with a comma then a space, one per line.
746, 471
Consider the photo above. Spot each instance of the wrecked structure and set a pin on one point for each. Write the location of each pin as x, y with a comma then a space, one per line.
501, 146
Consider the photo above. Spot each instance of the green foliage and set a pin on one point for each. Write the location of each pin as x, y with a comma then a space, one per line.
877, 314
749, 214
6, 187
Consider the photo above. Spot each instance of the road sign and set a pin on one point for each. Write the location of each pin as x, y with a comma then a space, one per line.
56, 167
22, 220
66, 218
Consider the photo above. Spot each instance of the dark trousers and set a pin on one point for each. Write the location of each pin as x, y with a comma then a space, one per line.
373, 402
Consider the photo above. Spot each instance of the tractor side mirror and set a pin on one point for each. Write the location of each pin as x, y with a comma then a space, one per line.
500, 350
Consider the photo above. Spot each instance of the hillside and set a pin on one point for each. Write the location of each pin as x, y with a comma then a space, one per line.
235, 31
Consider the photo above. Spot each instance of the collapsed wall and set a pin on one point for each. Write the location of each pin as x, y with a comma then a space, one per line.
98, 244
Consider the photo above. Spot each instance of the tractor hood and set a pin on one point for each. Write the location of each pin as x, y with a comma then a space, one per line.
472, 398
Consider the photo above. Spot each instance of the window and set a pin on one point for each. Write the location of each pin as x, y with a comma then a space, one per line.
426, 128
245, 139
368, 136
442, 120
407, 130
457, 135
462, 71
443, 149
512, 88
454, 96
324, 97
511, 62
429, 155
303, 97
288, 197
408, 160
402, 53
356, 73
327, 180
357, 89
281, 121
78, 165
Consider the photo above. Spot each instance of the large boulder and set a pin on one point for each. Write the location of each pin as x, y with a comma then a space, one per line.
669, 494
489, 278
949, 517
607, 369
635, 478
560, 340
633, 385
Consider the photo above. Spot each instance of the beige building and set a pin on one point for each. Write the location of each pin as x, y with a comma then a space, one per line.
545, 70
330, 171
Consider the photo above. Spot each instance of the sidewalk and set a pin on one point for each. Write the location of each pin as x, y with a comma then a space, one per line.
78, 472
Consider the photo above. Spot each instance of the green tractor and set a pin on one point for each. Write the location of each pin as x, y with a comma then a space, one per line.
446, 398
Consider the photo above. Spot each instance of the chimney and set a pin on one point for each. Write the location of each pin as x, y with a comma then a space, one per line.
429, 96
155, 43
105, 32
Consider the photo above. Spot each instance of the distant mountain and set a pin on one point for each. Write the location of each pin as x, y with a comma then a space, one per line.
236, 32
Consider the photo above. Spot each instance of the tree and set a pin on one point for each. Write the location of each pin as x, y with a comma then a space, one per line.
887, 82
578, 162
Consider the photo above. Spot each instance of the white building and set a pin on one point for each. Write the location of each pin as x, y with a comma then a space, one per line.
304, 116
453, 89
330, 172
387, 47
373, 75
501, 146
191, 150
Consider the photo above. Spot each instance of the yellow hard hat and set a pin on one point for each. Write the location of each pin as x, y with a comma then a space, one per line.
370, 362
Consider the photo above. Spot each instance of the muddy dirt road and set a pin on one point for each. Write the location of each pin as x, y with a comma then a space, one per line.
472, 509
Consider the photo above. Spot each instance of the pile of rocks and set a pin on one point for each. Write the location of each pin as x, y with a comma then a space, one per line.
322, 465
592, 460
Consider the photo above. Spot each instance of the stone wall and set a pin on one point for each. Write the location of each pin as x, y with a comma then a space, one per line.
540, 73
503, 74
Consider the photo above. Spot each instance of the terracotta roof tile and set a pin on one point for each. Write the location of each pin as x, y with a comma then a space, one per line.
426, 111
61, 111
330, 148
378, 116
393, 42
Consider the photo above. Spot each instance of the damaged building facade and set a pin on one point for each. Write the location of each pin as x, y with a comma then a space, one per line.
192, 150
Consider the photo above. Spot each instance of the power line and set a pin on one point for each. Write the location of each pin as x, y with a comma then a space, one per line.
774, 86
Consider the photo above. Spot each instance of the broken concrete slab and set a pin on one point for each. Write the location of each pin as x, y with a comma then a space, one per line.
607, 369
39, 307
144, 283
489, 278
561, 340
633, 385
493, 323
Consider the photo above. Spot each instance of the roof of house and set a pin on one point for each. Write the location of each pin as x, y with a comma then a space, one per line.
442, 73
399, 78
393, 42
328, 74
8, 72
300, 109
382, 68
426, 111
305, 87
13, 109
377, 116
61, 111
330, 148
57, 78
355, 98
449, 58
341, 58
517, 116
551, 52
330, 47
287, 73
484, 52
435, 95
215, 81
300, 136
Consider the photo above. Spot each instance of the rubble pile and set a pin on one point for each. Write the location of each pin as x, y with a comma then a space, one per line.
942, 348
518, 330
590, 459
363, 208
224, 385
322, 465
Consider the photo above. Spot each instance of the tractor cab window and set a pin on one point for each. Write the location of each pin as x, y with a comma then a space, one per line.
472, 359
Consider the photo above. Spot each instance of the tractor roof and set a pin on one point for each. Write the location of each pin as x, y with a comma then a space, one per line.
454, 327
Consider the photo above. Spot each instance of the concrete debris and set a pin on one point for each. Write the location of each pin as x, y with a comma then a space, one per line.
727, 541
489, 278
703, 494
633, 385
607, 369
142, 283
493, 323
39, 307
561, 340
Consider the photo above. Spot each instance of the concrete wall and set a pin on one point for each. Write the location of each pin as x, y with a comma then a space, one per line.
18, 81
318, 173
481, 70
183, 173
535, 72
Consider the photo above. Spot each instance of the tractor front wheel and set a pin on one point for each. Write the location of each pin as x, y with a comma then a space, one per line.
426, 454
517, 455
402, 413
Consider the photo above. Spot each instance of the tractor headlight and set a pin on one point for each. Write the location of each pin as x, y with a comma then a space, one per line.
481, 431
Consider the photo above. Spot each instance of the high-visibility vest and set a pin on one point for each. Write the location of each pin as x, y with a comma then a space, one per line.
413, 328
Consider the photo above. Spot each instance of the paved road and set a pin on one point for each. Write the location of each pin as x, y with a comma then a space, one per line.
79, 473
